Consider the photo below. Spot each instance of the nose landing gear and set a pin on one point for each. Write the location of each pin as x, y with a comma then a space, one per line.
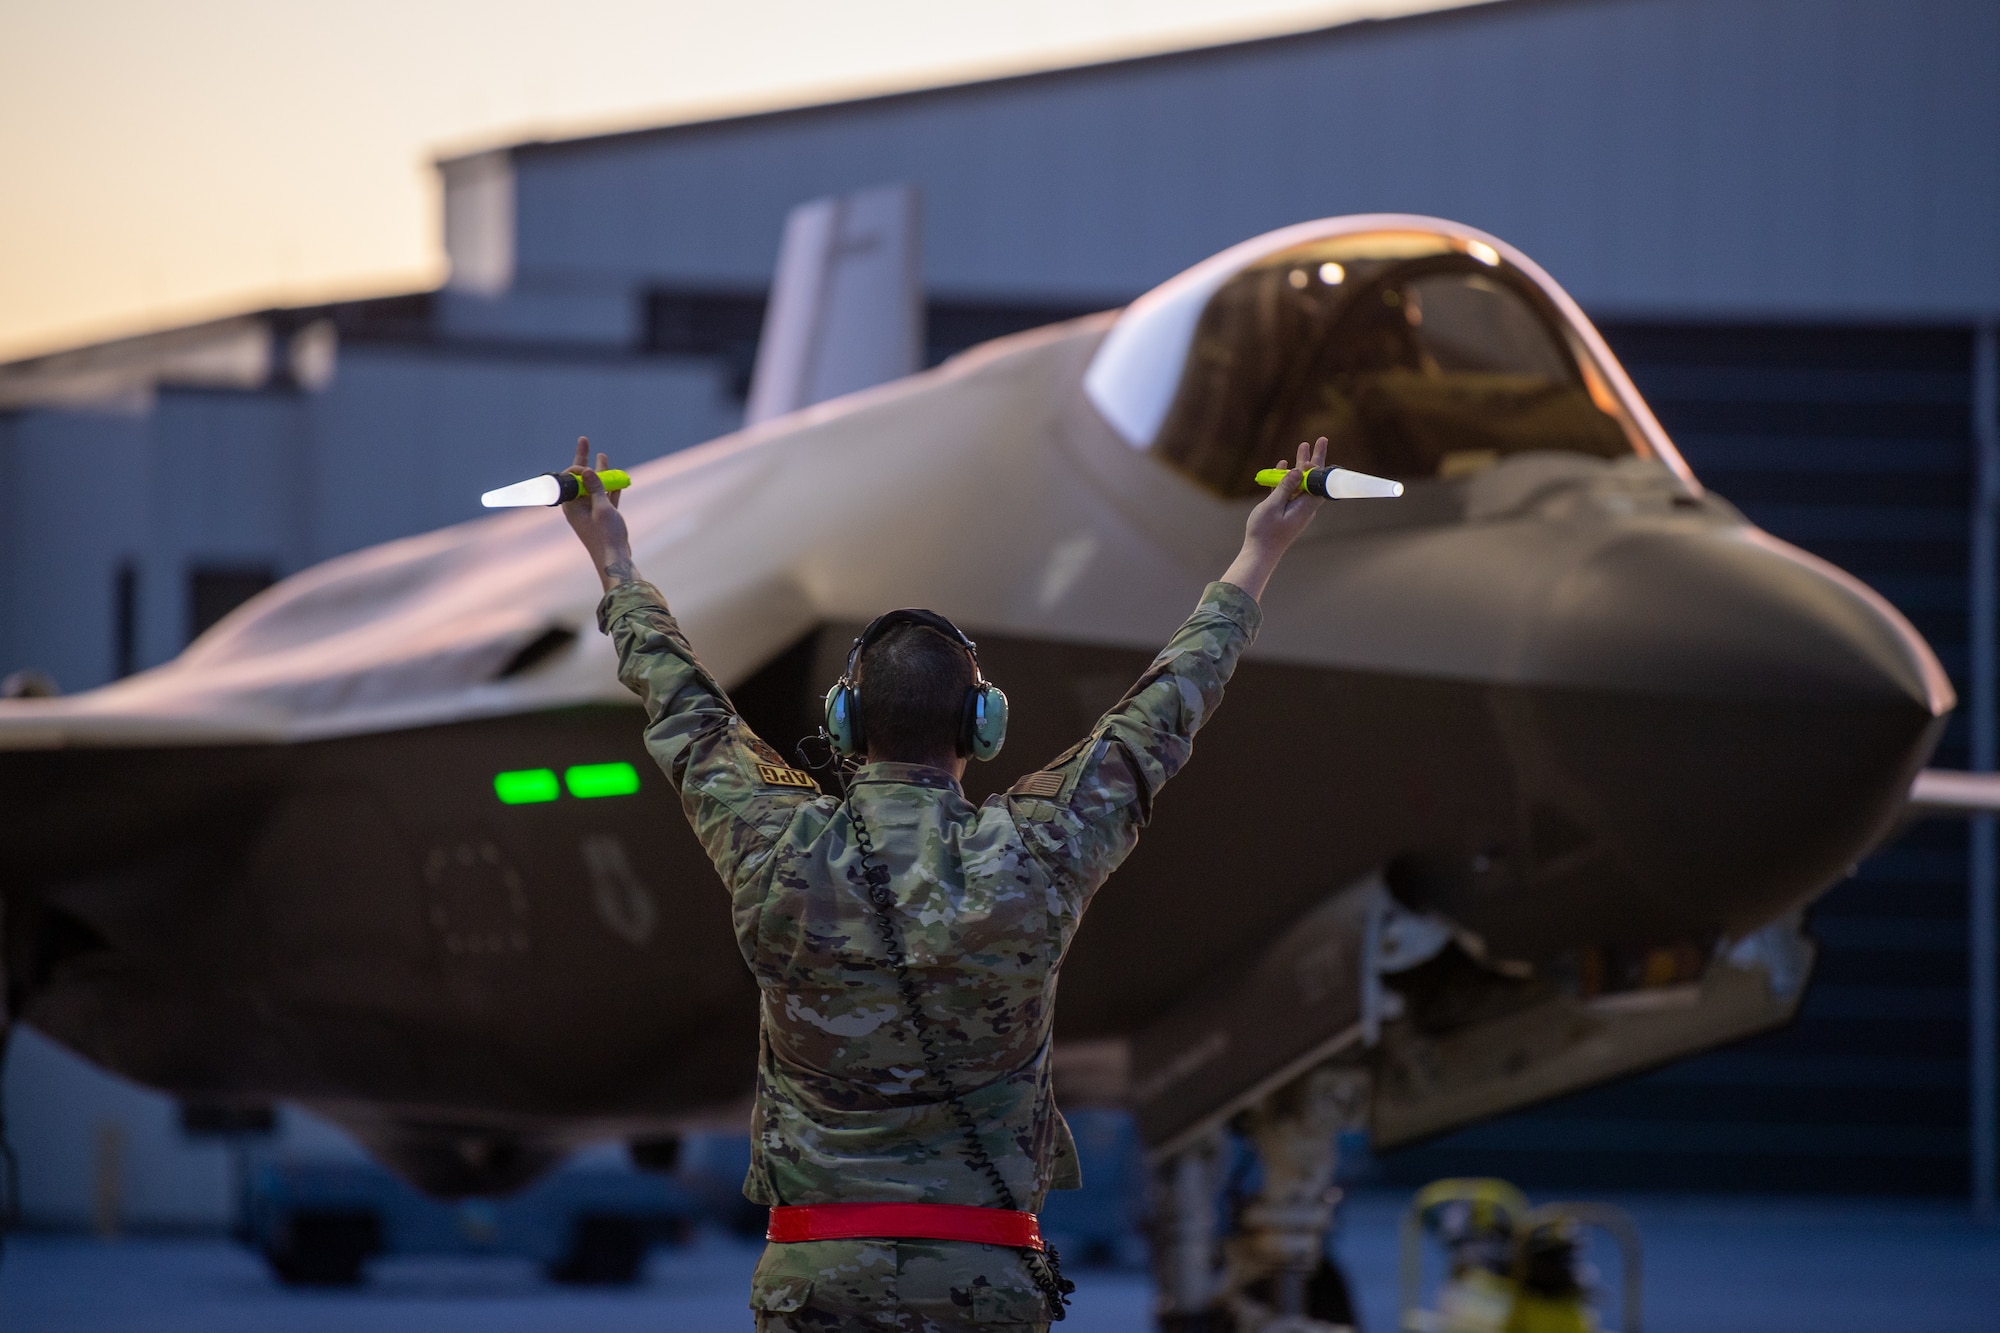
1269, 1271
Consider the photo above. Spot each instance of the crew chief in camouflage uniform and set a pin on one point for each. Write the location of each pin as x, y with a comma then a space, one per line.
987, 899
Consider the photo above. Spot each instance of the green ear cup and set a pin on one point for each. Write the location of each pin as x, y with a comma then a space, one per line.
989, 721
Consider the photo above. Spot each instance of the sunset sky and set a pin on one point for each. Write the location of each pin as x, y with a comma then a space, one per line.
172, 161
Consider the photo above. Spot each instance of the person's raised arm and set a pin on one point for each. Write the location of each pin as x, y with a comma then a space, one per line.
738, 793
595, 519
1082, 814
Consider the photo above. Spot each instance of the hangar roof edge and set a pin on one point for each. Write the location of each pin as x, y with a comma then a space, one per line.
1445, 11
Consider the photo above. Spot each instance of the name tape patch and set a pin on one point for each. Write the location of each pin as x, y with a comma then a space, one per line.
778, 776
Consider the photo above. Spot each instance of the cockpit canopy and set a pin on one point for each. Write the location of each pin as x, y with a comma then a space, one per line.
1418, 353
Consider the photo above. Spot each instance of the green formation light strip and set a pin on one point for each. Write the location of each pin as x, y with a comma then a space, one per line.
526, 786
531, 786
587, 780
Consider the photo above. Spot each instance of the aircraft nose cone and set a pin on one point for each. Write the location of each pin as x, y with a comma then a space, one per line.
1734, 722
1734, 615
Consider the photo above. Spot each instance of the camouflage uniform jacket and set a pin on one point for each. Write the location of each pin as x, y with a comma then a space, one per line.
988, 900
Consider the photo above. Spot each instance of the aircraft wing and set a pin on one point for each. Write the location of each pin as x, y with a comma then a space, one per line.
1944, 791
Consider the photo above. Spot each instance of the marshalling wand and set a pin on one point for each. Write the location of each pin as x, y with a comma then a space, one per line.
1336, 483
551, 488
554, 488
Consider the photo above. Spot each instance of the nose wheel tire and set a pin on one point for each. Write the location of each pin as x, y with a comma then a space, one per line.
604, 1251
324, 1248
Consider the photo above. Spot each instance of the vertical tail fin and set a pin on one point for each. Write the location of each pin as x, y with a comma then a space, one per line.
847, 306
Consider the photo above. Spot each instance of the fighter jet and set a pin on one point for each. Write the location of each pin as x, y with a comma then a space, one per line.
1523, 786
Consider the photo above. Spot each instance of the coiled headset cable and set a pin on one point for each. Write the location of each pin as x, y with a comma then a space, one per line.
1044, 1266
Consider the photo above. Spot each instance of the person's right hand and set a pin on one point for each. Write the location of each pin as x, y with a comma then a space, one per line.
595, 519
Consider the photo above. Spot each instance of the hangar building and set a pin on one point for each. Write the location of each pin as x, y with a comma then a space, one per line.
1784, 214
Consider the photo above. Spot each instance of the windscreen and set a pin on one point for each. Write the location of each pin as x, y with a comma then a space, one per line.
1414, 360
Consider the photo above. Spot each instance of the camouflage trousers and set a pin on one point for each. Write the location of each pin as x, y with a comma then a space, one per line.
899, 1286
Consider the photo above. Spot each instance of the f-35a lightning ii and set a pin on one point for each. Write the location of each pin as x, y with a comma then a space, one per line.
1566, 744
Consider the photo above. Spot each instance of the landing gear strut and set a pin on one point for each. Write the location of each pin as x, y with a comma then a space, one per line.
1186, 1237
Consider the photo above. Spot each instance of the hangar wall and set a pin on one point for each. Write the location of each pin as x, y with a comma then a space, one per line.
1745, 158
208, 484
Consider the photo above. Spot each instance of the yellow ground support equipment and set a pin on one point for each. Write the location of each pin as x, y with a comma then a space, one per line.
1510, 1268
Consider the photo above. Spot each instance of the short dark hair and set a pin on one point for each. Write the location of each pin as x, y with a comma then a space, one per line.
913, 686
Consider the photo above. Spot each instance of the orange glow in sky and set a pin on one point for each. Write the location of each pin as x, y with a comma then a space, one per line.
170, 161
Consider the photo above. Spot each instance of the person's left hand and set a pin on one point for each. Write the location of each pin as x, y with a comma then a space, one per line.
595, 519
1276, 523
1282, 515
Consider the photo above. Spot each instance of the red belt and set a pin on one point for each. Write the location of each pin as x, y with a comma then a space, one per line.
906, 1221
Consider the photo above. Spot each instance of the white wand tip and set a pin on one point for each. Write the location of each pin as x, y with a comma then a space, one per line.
542, 490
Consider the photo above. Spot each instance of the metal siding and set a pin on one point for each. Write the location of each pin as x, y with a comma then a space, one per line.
585, 309
408, 438
59, 604
228, 486
1713, 156
13, 585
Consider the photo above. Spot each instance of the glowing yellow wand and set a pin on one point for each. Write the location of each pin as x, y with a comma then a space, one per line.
551, 488
1336, 483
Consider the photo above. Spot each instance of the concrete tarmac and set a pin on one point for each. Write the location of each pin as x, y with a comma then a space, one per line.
1712, 1265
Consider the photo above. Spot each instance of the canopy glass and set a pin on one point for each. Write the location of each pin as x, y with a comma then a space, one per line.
1416, 357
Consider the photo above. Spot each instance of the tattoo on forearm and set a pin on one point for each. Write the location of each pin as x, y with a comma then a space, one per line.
619, 571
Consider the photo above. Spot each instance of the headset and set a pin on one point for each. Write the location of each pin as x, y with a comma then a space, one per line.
982, 728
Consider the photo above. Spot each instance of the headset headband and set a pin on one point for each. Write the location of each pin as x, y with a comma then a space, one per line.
889, 620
